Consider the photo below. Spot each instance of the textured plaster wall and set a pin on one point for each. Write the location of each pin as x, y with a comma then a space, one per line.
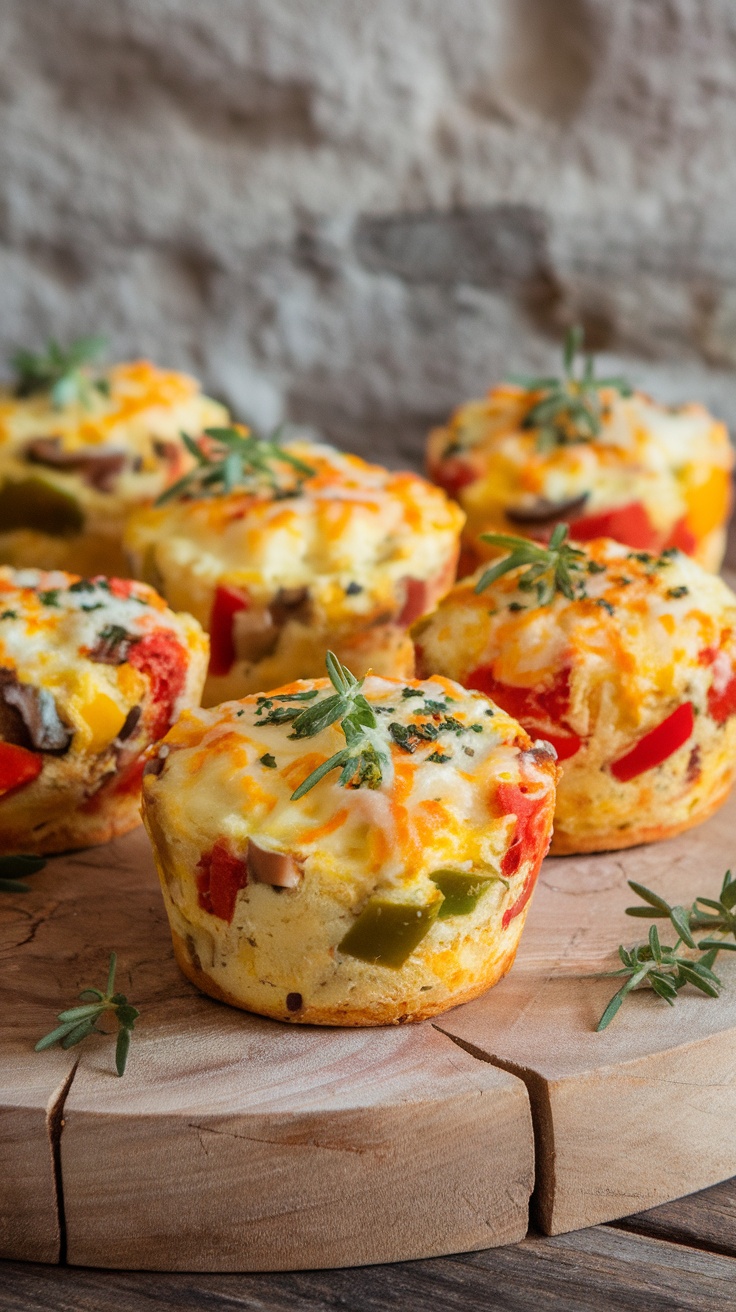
357, 212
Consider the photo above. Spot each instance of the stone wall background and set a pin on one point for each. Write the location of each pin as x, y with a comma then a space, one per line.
356, 213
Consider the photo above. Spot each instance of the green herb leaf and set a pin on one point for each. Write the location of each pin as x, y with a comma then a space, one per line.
79, 1022
570, 408
558, 567
231, 460
14, 869
362, 761
64, 373
667, 969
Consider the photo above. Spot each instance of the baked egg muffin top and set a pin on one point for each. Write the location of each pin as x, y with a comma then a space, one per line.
317, 519
425, 775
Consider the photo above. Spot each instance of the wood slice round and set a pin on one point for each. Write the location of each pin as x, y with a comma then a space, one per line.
236, 1143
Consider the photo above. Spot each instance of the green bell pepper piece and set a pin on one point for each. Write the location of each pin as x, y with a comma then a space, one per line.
387, 932
33, 503
461, 891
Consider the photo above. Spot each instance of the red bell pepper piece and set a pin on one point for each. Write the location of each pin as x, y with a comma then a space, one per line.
532, 707
682, 537
18, 767
220, 877
657, 745
531, 811
227, 602
722, 691
629, 524
452, 474
161, 656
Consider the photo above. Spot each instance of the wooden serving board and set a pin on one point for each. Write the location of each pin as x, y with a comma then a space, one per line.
236, 1143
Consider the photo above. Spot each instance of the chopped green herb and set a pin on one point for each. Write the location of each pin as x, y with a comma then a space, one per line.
516, 605
438, 757
50, 597
268, 760
476, 728
9, 615
411, 692
606, 605
681, 591
594, 567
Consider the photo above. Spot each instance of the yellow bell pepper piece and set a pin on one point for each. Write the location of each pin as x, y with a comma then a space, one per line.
105, 720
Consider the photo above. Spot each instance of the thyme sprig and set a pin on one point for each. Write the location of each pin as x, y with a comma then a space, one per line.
549, 569
362, 760
570, 409
63, 372
77, 1023
13, 870
667, 969
231, 459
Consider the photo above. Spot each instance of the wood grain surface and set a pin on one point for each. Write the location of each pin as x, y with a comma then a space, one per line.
235, 1143
594, 1270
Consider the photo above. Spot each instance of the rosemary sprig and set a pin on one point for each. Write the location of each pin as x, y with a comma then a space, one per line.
549, 569
668, 969
13, 869
79, 1022
362, 760
570, 408
61, 372
664, 969
230, 460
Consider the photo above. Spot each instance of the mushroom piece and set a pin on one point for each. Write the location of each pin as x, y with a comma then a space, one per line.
29, 718
416, 601
99, 466
543, 512
254, 634
274, 868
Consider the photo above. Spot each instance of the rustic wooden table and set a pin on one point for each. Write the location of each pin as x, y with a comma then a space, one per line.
680, 1256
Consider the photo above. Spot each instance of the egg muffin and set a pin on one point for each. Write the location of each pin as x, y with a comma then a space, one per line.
624, 661
349, 853
593, 453
81, 446
92, 672
284, 552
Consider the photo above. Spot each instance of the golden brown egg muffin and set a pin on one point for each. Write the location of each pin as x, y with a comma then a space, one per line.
593, 453
92, 672
624, 661
354, 854
81, 446
285, 552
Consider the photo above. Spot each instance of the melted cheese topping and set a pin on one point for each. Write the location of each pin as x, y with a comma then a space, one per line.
353, 535
632, 645
51, 622
144, 408
229, 775
675, 461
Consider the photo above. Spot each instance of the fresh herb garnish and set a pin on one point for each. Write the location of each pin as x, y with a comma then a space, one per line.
50, 597
549, 569
364, 757
231, 460
9, 615
61, 372
668, 969
14, 869
570, 409
268, 760
79, 1022
438, 757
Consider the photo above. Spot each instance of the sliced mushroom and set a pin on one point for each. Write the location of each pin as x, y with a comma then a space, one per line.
274, 868
29, 718
254, 634
290, 603
542, 511
99, 466
130, 723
